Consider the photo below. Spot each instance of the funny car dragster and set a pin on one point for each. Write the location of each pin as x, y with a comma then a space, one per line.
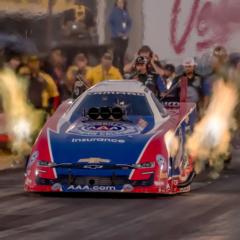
4, 138
113, 138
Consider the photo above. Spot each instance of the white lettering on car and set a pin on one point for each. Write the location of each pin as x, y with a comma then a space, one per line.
91, 188
108, 140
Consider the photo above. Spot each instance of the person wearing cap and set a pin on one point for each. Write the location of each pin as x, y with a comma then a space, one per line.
148, 78
42, 90
76, 75
192, 81
188, 87
104, 71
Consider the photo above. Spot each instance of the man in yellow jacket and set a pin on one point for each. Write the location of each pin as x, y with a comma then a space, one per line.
42, 90
104, 71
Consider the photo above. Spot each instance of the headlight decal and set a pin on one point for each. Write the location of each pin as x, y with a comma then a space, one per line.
145, 165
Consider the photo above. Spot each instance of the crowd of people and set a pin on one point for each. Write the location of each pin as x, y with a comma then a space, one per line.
50, 81
54, 78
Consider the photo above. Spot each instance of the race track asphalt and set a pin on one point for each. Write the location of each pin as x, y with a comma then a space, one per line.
210, 212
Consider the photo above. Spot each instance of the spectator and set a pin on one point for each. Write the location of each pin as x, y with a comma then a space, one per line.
188, 87
35, 87
104, 71
13, 60
220, 69
152, 60
76, 75
56, 68
169, 75
78, 22
192, 81
42, 90
219, 62
120, 25
169, 92
145, 76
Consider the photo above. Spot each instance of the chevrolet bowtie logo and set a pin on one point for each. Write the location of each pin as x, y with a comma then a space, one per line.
94, 160
93, 166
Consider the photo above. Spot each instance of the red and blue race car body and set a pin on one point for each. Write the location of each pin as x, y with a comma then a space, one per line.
80, 152
4, 137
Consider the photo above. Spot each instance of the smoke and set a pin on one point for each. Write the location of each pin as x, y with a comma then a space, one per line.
22, 119
210, 140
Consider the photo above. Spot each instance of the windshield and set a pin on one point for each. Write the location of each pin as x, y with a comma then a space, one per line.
132, 104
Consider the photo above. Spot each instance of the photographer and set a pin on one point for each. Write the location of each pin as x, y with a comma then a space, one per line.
143, 74
153, 62
76, 75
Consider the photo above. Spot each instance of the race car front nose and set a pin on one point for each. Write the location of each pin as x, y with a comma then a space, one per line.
95, 181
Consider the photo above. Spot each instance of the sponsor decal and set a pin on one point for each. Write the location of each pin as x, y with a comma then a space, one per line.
159, 183
103, 140
33, 158
160, 159
56, 187
105, 129
91, 188
127, 188
115, 92
142, 123
94, 160
163, 166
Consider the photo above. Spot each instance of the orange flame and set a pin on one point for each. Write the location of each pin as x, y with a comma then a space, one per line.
212, 135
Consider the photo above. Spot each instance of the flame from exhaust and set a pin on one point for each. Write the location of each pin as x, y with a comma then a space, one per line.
172, 143
22, 119
211, 137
